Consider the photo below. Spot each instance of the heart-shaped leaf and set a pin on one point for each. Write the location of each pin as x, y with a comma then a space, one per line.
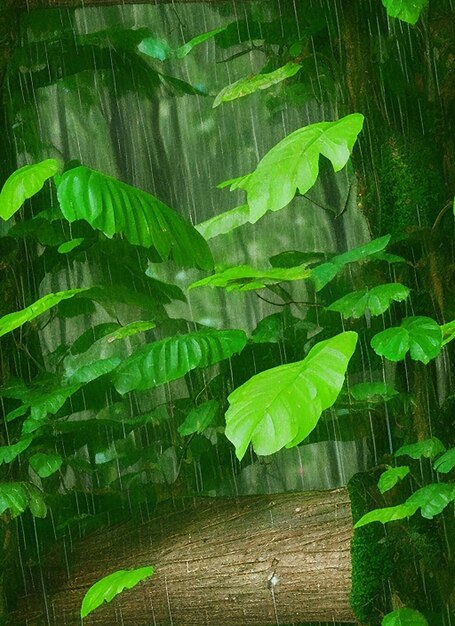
376, 300
281, 406
421, 336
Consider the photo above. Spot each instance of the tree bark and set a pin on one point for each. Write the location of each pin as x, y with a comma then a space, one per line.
249, 561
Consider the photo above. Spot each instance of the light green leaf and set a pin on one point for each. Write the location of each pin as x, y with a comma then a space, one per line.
18, 496
246, 278
9, 453
376, 300
131, 329
293, 164
404, 617
181, 52
446, 462
155, 48
388, 514
406, 10
68, 246
391, 477
110, 586
433, 499
199, 418
448, 332
112, 206
23, 184
429, 448
249, 84
421, 336
322, 274
14, 320
281, 406
45, 464
224, 222
372, 391
173, 357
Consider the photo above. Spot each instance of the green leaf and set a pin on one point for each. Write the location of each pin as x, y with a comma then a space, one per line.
429, 448
281, 406
404, 617
246, 278
23, 184
388, 514
249, 84
45, 464
291, 258
372, 391
131, 329
112, 206
18, 496
269, 329
391, 477
199, 418
421, 336
68, 246
376, 300
406, 10
14, 320
181, 52
446, 462
44, 401
9, 453
293, 164
224, 222
173, 357
110, 586
155, 48
448, 332
324, 273
433, 499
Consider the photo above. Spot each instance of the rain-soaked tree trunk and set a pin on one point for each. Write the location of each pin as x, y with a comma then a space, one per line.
257, 560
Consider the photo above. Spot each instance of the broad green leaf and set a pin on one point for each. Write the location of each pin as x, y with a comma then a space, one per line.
281, 406
112, 206
291, 258
446, 462
293, 164
246, 278
181, 52
155, 48
199, 418
388, 514
429, 448
391, 477
110, 586
372, 391
23, 184
322, 274
421, 336
448, 332
130, 329
68, 246
433, 499
250, 84
269, 329
9, 453
45, 464
14, 320
173, 357
404, 617
224, 222
17, 496
406, 10
376, 300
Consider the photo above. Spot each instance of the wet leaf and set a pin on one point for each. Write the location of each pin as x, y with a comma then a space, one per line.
224, 222
68, 246
391, 477
249, 84
110, 586
199, 418
406, 10
421, 336
293, 164
23, 184
155, 48
448, 332
17, 496
269, 329
9, 453
429, 448
181, 52
388, 514
372, 391
376, 300
433, 499
446, 462
45, 464
173, 357
246, 278
112, 206
281, 406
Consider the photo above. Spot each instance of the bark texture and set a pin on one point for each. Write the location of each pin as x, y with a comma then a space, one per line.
247, 561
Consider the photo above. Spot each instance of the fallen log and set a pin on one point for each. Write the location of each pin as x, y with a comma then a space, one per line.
247, 561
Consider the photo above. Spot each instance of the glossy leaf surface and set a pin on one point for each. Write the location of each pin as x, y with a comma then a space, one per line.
281, 406
406, 10
17, 496
246, 278
433, 499
420, 336
388, 514
391, 477
224, 222
45, 464
429, 448
446, 462
9, 453
376, 300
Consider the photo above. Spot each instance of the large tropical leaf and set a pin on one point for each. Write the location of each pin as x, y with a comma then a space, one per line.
199, 418
391, 477
281, 406
446, 462
160, 48
112, 206
376, 300
429, 448
421, 336
224, 222
250, 84
17, 496
433, 499
293, 164
18, 318
246, 278
23, 184
173, 357
45, 464
406, 10
9, 453
110, 586
388, 514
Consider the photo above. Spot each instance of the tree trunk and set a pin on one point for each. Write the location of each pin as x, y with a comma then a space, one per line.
279, 559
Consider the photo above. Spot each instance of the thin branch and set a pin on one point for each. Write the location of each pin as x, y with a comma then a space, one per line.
285, 302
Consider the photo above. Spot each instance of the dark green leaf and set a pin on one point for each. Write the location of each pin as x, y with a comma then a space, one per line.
372, 391
9, 453
199, 418
269, 329
17, 496
446, 462
45, 464
421, 336
429, 448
